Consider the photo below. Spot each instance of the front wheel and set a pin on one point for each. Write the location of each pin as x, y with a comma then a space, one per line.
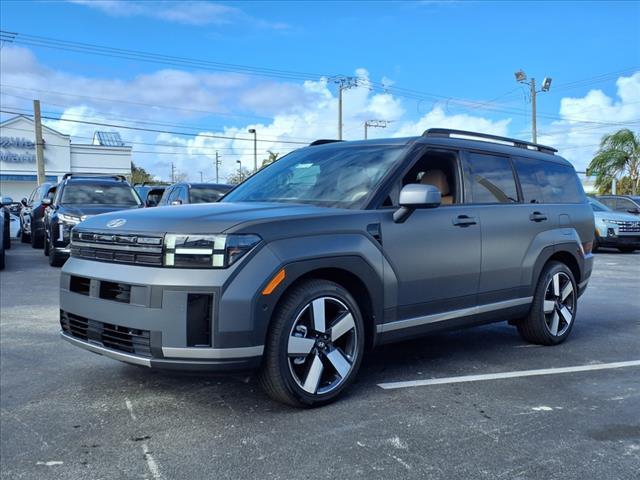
554, 307
314, 346
55, 259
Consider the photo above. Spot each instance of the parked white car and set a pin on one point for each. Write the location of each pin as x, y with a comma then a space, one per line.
615, 229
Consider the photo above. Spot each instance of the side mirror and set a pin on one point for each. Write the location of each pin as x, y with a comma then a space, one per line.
176, 202
635, 211
6, 200
414, 196
46, 202
24, 201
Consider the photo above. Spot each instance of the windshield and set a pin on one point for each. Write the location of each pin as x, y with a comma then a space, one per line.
332, 176
597, 206
200, 194
99, 194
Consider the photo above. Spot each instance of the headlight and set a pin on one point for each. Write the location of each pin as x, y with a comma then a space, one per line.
206, 251
72, 219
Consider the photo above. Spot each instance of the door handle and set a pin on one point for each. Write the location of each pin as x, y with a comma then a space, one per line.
537, 217
464, 221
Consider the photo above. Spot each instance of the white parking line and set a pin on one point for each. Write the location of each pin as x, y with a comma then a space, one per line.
498, 376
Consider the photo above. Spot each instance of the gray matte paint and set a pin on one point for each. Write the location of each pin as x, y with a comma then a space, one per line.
432, 266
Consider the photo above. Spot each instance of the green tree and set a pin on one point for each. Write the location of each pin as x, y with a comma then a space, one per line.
238, 176
273, 156
139, 174
619, 154
623, 187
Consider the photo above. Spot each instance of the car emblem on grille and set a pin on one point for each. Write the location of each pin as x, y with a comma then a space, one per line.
116, 222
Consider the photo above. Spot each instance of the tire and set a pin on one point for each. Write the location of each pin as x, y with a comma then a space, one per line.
2, 259
46, 244
7, 236
24, 237
627, 249
37, 241
329, 356
596, 244
551, 317
55, 259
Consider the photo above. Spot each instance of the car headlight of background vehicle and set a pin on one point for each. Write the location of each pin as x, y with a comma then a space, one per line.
206, 251
70, 219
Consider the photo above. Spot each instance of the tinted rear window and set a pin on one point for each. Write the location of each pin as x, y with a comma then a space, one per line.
491, 179
99, 194
206, 194
548, 182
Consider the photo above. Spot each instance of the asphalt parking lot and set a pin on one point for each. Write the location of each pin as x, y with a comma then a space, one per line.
69, 414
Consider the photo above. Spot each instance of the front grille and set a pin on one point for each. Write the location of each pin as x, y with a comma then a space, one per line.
629, 227
115, 337
115, 248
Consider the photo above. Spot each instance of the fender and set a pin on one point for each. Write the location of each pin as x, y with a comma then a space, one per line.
354, 253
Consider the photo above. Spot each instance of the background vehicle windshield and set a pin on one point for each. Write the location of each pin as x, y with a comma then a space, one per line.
99, 194
597, 206
202, 194
332, 176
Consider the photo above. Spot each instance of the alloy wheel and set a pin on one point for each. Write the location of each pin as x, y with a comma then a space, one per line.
322, 345
559, 304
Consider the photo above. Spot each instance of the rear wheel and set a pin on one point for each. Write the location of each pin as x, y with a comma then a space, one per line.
554, 307
315, 345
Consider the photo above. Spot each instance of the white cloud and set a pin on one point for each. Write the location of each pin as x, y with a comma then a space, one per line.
279, 111
586, 119
186, 12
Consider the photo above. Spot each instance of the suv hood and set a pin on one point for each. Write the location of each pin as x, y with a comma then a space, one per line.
91, 210
618, 216
201, 218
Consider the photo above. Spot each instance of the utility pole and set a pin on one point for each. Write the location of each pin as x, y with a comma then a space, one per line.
375, 124
344, 83
39, 142
201, 178
173, 173
218, 162
255, 149
521, 77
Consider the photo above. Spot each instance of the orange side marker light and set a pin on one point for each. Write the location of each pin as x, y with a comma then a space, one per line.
273, 284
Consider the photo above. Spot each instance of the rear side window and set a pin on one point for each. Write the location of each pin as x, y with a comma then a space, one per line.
548, 182
491, 179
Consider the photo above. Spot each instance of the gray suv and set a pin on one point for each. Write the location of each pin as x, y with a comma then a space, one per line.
331, 250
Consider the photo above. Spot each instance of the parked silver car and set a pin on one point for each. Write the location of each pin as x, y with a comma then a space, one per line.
615, 229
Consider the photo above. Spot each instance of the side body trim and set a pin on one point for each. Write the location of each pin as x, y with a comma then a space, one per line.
444, 316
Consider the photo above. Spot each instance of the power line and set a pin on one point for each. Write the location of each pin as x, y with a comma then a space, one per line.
153, 130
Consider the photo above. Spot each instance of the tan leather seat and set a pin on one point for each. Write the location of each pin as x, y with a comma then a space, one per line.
438, 179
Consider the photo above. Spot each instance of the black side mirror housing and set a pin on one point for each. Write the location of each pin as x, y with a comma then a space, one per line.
635, 211
414, 196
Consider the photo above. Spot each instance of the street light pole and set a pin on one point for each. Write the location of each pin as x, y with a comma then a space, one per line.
376, 124
521, 77
255, 149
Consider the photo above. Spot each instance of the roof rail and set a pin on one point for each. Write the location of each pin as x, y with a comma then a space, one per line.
446, 132
322, 141
122, 178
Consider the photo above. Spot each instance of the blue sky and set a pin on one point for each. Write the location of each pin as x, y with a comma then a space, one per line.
462, 51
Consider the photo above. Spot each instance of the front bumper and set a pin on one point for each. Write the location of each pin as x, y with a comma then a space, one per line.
165, 318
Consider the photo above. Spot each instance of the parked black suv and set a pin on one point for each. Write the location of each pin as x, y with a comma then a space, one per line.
182, 193
77, 198
331, 250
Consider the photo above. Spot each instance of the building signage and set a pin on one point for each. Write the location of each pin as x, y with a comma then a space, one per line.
14, 157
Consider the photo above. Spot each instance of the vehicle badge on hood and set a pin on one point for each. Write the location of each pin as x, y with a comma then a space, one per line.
116, 222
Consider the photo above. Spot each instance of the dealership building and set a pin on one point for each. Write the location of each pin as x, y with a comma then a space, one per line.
106, 154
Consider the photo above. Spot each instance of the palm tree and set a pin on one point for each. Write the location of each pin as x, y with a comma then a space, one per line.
619, 153
273, 156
